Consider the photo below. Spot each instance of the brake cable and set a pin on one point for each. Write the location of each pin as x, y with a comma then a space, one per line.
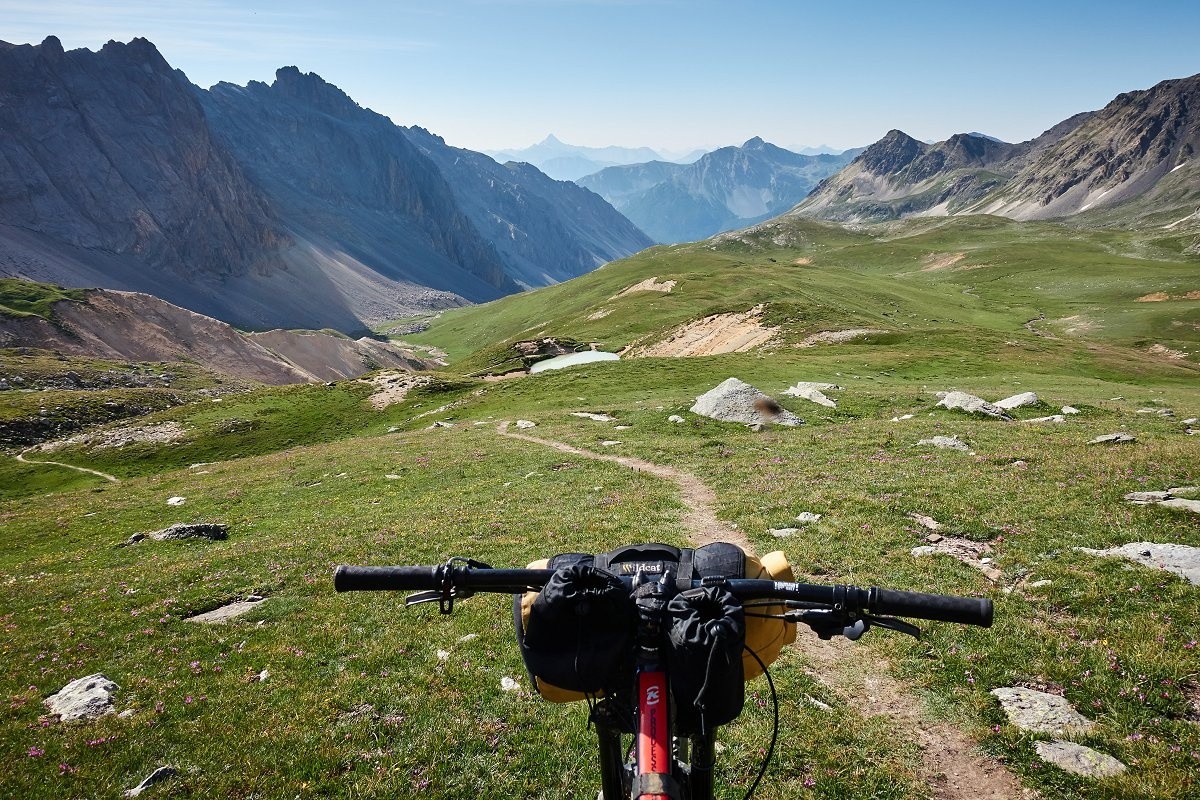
774, 725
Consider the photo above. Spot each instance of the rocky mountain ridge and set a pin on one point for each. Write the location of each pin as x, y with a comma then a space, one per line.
282, 205
1131, 161
131, 326
729, 188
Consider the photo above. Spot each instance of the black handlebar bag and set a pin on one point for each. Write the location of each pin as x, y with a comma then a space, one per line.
704, 658
579, 633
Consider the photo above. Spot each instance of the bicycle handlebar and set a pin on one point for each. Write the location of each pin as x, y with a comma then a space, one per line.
938, 607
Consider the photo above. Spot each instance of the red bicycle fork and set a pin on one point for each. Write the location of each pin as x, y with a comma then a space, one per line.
653, 736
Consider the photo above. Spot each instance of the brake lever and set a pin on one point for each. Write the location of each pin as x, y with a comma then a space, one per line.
416, 598
893, 624
446, 596
828, 623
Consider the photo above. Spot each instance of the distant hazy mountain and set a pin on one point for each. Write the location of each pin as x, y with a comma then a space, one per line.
1136, 158
545, 230
567, 162
282, 205
728, 188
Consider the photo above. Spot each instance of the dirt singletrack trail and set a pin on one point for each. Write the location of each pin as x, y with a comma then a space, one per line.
110, 478
951, 766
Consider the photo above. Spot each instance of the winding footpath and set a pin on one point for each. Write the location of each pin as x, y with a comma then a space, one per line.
112, 479
951, 766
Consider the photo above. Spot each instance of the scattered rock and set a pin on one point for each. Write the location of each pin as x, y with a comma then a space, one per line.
934, 538
1113, 438
176, 501
1146, 498
391, 476
443, 655
1018, 401
509, 685
160, 774
837, 337
783, 533
971, 404
1041, 712
904, 417
83, 698
470, 637
219, 616
1191, 420
592, 416
807, 517
965, 550
735, 401
622, 427
812, 392
1051, 418
260, 677
609, 443
1070, 410
1181, 559
675, 418
947, 442
525, 424
925, 521
815, 703
1182, 504
1078, 760
440, 424
1040, 584
186, 530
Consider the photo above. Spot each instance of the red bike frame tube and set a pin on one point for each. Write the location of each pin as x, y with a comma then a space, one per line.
653, 737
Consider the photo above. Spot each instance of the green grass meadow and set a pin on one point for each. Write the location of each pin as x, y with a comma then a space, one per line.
360, 703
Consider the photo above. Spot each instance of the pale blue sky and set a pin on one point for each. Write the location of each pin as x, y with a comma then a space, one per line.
669, 74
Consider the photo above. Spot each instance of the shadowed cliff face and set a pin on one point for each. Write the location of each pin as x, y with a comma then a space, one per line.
338, 171
109, 151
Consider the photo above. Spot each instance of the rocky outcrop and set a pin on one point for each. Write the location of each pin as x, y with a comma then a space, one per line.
729, 188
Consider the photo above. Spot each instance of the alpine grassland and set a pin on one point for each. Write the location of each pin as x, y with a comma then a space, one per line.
315, 694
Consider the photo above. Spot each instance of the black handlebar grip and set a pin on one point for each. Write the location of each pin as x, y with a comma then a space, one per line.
365, 579
940, 607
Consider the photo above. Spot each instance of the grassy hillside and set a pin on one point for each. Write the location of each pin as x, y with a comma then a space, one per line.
20, 298
978, 275
358, 701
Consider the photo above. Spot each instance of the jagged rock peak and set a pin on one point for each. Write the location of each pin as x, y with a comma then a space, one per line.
756, 143
52, 46
139, 50
891, 153
311, 89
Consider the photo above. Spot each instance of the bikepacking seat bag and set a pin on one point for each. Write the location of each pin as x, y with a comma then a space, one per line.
704, 658
765, 637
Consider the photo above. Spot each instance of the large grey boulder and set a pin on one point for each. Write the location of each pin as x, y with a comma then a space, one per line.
946, 443
1078, 760
971, 404
84, 698
735, 401
1018, 401
1041, 712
